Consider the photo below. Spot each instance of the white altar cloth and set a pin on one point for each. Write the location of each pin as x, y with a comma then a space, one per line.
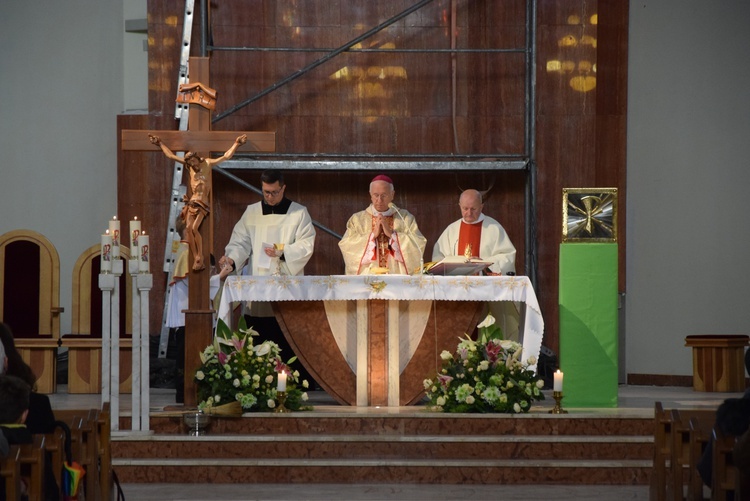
393, 287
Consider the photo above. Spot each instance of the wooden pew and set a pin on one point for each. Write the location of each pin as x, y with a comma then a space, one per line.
104, 450
54, 444
680, 461
724, 472
31, 461
700, 433
10, 472
662, 449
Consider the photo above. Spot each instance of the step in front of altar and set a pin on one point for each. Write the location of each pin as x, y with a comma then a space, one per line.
313, 448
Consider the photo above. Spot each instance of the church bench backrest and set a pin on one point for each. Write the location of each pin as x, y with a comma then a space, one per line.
662, 447
54, 445
31, 461
680, 448
92, 456
701, 428
105, 451
10, 472
724, 472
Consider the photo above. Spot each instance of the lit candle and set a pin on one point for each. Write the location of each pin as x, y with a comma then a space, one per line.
114, 230
282, 382
106, 260
558, 381
135, 231
143, 253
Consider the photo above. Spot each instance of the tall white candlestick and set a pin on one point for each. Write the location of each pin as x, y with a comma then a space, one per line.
135, 231
106, 260
114, 230
558, 385
144, 253
281, 386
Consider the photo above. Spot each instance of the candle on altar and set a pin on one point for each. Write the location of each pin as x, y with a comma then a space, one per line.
143, 253
558, 384
135, 231
281, 386
114, 230
106, 259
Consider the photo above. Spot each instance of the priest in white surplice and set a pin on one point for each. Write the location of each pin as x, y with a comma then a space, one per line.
274, 236
382, 238
478, 235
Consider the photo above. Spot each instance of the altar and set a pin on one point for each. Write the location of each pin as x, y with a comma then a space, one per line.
370, 340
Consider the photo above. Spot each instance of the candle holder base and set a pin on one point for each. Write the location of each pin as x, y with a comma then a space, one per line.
282, 399
557, 409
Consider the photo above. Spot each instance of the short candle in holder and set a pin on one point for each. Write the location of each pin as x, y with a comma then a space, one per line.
558, 383
281, 386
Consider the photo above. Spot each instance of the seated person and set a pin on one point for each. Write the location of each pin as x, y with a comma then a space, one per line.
477, 235
14, 407
41, 419
382, 238
732, 418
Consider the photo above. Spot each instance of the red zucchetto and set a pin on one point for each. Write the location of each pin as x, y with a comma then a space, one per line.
382, 177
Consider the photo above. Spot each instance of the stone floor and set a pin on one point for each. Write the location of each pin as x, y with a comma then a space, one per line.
633, 401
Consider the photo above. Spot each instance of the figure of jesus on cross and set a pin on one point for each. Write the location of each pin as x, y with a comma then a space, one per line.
198, 205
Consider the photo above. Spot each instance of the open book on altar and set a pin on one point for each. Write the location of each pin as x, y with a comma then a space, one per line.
457, 265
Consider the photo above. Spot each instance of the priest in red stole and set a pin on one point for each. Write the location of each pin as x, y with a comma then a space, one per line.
480, 236
477, 235
382, 238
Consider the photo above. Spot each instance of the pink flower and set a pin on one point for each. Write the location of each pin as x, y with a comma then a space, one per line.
223, 357
444, 380
280, 366
238, 343
493, 351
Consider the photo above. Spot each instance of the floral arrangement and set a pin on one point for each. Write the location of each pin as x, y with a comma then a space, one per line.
486, 375
233, 369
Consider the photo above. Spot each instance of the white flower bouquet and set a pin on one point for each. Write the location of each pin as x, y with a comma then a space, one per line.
233, 369
486, 375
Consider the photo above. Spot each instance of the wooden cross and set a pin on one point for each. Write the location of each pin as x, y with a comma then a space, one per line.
199, 139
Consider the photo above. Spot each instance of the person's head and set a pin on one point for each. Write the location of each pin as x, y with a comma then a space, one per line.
272, 184
471, 205
15, 365
381, 192
14, 400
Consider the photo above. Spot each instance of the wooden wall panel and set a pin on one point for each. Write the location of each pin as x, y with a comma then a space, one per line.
580, 138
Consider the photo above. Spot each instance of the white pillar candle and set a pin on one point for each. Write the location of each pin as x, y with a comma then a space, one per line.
281, 386
558, 381
143, 253
135, 231
106, 261
114, 230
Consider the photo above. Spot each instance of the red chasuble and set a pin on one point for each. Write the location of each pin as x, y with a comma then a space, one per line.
470, 235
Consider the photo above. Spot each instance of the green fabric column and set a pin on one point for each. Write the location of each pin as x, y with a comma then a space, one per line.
588, 324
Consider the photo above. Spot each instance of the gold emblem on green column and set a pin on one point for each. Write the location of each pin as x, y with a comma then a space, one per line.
589, 214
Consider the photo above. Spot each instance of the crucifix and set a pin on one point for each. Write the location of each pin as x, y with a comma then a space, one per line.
200, 140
